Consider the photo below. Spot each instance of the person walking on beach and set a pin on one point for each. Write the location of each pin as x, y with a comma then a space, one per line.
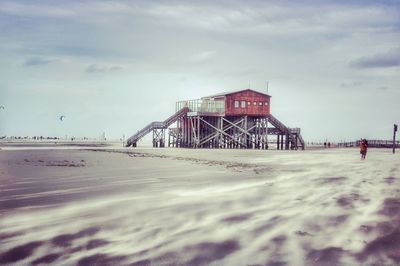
363, 148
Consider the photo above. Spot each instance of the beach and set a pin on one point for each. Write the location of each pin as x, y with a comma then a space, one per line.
146, 206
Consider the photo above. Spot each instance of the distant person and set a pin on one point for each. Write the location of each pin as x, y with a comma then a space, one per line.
325, 144
329, 144
363, 148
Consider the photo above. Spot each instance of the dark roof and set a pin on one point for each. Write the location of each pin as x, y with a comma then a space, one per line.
233, 92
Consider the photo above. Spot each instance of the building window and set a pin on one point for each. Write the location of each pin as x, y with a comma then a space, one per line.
236, 104
255, 103
266, 103
248, 103
259, 103
243, 104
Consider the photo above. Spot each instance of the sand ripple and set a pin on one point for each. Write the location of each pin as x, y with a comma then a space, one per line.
199, 208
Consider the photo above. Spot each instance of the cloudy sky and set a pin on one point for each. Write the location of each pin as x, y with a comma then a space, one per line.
333, 66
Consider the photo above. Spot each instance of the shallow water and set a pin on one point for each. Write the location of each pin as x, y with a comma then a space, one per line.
199, 207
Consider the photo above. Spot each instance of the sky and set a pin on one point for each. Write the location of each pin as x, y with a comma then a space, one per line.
332, 67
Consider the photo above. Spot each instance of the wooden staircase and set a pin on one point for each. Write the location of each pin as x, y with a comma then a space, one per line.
132, 141
294, 136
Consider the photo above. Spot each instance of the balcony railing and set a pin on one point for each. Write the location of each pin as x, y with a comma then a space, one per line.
203, 106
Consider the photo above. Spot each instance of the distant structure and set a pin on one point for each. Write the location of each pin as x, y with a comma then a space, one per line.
372, 143
238, 119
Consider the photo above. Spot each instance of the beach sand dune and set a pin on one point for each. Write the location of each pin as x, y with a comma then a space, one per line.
199, 207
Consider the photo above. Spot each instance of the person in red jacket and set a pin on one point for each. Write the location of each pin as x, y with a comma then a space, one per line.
363, 148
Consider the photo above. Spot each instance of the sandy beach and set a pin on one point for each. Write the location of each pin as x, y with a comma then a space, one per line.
145, 206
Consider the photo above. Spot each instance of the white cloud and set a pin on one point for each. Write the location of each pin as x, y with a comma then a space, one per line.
202, 57
302, 48
351, 84
96, 68
35, 61
239, 17
38, 10
381, 60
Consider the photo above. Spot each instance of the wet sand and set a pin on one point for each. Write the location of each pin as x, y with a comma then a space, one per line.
199, 207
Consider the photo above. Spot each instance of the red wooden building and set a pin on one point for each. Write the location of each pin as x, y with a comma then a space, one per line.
243, 102
238, 119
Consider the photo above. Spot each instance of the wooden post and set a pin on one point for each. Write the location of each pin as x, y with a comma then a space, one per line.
394, 137
258, 134
154, 142
244, 138
277, 141
163, 138
198, 131
262, 133
184, 128
215, 139
266, 134
287, 141
187, 132
220, 136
